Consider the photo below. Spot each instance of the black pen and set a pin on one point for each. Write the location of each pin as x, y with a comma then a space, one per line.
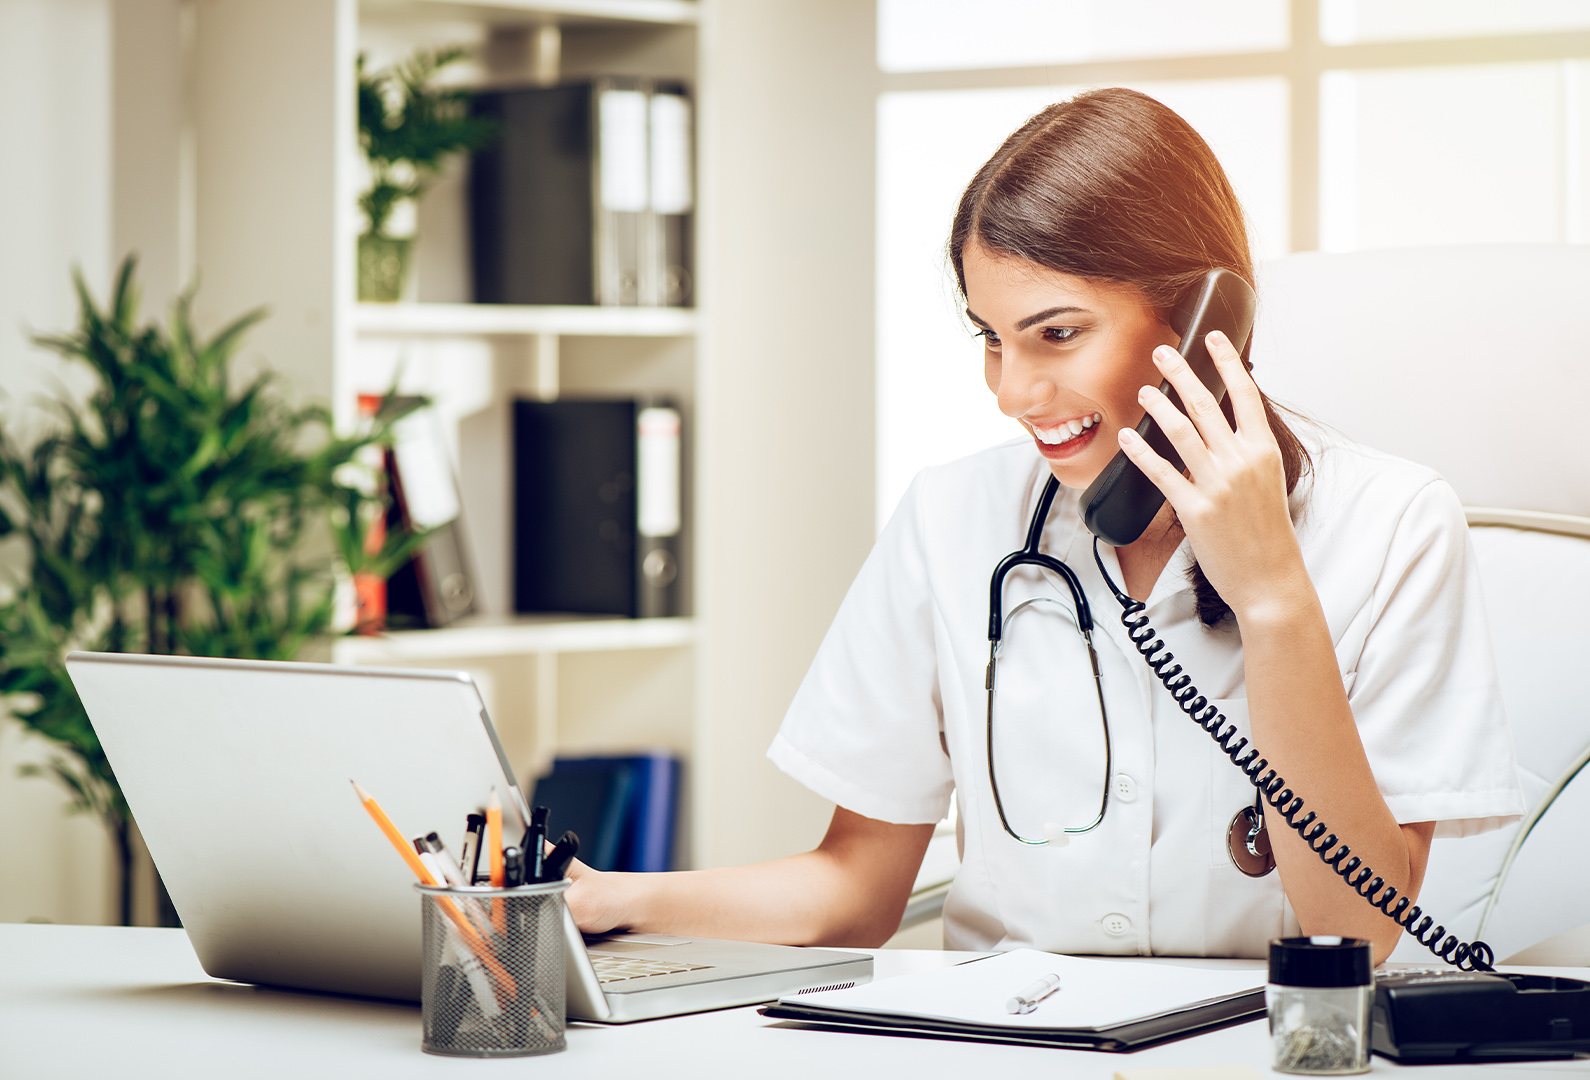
535, 845
558, 859
474, 829
512, 867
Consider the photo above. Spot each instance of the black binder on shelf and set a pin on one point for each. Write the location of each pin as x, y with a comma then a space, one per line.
596, 507
586, 195
436, 586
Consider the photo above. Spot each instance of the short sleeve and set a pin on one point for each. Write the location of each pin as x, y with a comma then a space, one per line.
864, 728
1425, 692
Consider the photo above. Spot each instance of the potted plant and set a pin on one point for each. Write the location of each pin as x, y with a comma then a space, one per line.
408, 128
169, 512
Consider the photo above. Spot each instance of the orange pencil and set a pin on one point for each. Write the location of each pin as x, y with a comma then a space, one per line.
476, 944
494, 838
404, 848
499, 916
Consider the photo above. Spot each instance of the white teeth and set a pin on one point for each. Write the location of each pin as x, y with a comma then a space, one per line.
1065, 432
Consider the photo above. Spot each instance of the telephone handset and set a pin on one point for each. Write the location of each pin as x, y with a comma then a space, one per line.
1118, 506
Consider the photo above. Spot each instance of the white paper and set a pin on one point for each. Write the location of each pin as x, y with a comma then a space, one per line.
1092, 994
621, 120
670, 154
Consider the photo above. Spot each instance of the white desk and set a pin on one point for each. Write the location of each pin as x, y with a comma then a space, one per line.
127, 1004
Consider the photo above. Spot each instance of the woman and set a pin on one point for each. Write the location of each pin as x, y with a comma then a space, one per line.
1322, 594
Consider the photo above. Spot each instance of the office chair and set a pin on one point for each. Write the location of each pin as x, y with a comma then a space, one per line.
1472, 360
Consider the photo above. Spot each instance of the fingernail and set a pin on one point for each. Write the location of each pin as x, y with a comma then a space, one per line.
1218, 337
1129, 435
1163, 353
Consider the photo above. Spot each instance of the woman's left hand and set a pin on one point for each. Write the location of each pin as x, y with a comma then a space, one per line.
1233, 500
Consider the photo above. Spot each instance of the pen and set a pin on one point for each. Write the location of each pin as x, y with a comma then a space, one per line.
474, 826
512, 867
444, 858
1026, 1001
475, 942
558, 859
534, 845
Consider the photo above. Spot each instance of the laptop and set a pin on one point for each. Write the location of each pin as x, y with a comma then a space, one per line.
237, 772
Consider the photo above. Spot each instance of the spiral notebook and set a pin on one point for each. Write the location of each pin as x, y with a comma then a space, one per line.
1100, 1005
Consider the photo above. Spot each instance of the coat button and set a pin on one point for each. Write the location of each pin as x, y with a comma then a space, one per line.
1125, 788
1116, 925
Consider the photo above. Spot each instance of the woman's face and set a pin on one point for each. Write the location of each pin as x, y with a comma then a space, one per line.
1064, 355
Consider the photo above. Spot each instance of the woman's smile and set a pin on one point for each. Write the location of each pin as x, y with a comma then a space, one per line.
1064, 438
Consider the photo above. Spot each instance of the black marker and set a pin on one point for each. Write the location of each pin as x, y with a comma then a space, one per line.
512, 867
535, 844
557, 861
474, 831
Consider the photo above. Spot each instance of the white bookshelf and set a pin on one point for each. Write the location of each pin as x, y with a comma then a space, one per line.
773, 372
493, 320
562, 12
521, 636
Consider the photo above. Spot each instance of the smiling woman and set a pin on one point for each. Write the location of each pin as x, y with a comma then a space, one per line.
1330, 612
1115, 203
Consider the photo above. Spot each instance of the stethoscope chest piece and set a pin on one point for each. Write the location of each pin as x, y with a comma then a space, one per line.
1249, 843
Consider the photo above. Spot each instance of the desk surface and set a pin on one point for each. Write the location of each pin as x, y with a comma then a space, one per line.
78, 1001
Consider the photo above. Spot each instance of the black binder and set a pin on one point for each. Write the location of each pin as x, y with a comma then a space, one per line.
596, 507
585, 196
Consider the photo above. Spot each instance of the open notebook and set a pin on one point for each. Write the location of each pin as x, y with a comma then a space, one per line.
1101, 1004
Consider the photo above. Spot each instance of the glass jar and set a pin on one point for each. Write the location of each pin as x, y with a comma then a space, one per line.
1318, 997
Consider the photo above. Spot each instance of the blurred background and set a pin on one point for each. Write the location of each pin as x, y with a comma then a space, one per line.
815, 359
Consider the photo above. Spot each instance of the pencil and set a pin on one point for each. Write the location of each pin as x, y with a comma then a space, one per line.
404, 848
499, 916
494, 837
476, 943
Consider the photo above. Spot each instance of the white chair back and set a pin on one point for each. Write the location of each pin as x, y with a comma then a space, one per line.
1474, 360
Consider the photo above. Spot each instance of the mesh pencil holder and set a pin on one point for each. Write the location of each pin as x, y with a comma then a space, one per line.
491, 975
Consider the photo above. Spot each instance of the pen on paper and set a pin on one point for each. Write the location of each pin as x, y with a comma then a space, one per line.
1027, 1001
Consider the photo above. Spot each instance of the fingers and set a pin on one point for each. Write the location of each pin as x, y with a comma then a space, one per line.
1200, 404
1246, 404
1172, 484
1182, 431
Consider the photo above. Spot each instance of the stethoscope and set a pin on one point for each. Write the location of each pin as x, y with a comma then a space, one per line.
1247, 840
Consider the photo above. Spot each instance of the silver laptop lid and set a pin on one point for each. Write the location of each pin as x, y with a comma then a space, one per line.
237, 773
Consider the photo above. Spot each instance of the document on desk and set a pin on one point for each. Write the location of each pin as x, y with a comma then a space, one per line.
1100, 1004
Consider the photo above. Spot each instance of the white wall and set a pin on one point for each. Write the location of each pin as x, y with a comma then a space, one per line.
785, 396
55, 210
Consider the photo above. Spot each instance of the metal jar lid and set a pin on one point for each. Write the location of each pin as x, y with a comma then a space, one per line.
1321, 961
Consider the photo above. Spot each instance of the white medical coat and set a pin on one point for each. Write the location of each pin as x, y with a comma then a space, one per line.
890, 719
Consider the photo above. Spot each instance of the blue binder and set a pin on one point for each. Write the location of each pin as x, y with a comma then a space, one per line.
624, 808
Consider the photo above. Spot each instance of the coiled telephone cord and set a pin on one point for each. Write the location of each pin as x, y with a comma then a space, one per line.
1465, 956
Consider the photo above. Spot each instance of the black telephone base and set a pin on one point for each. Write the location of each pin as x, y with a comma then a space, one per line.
1430, 1017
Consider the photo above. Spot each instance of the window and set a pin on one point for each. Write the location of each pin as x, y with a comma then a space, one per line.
1343, 124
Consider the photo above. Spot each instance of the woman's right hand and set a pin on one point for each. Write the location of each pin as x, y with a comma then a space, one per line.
593, 899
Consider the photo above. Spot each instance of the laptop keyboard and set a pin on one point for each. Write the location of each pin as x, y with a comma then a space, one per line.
610, 968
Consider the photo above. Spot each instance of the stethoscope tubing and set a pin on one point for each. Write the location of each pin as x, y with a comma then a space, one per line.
1029, 555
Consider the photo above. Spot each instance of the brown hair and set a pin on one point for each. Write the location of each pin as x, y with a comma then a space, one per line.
1114, 186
